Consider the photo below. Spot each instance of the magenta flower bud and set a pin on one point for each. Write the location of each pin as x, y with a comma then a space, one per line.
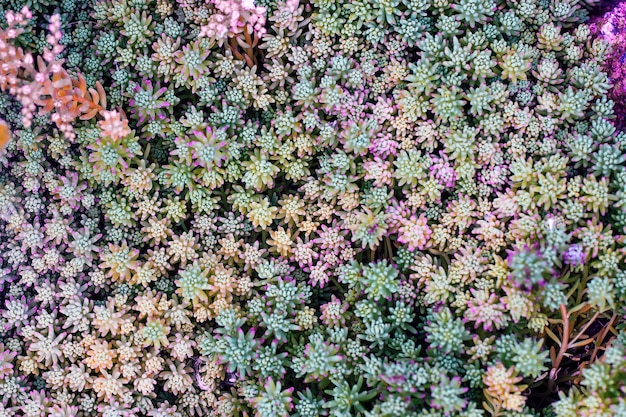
574, 255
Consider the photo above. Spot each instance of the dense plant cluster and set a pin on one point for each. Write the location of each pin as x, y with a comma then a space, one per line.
611, 28
310, 208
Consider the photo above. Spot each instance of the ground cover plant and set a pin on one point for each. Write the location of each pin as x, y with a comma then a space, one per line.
311, 208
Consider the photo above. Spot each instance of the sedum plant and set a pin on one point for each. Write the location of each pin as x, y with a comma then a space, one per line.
311, 208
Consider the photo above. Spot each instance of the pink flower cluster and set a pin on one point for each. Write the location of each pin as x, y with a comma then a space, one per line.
232, 16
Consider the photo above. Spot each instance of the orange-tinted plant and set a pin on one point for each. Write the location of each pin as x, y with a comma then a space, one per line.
48, 86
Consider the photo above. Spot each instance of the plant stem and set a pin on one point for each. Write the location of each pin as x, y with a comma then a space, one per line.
564, 342
601, 336
389, 248
562, 350
584, 329
336, 283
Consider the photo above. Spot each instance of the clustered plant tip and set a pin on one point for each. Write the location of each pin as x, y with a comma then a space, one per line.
266, 208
